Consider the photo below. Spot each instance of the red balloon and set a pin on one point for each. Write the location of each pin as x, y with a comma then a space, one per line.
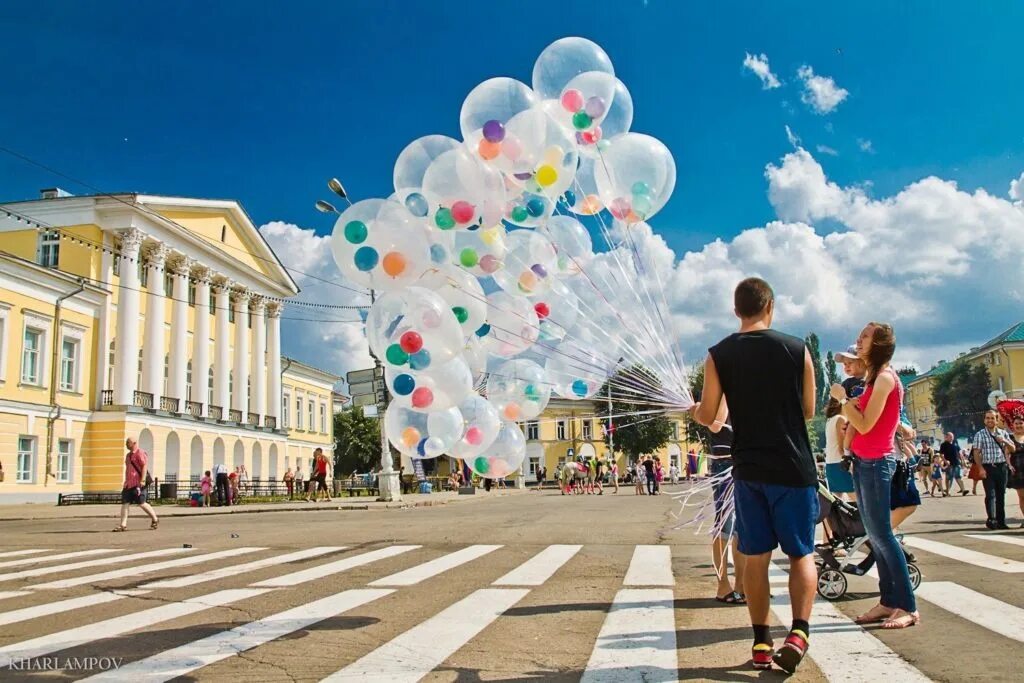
542, 310
463, 212
411, 342
422, 397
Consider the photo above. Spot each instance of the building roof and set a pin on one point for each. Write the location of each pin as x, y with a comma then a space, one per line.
941, 369
1014, 333
293, 364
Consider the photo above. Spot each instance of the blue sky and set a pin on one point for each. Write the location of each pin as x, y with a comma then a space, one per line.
262, 102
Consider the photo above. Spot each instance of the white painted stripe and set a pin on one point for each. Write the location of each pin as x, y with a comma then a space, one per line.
651, 566
145, 568
41, 571
58, 556
637, 641
430, 569
844, 651
237, 569
540, 567
14, 616
965, 555
191, 656
12, 594
73, 637
415, 653
335, 567
16, 553
998, 538
987, 612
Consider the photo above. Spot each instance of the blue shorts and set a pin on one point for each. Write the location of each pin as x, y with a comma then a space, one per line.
953, 472
771, 515
839, 480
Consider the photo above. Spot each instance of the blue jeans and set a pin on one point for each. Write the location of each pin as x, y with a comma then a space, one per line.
872, 480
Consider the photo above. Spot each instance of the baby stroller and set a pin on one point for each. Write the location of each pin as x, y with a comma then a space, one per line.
845, 532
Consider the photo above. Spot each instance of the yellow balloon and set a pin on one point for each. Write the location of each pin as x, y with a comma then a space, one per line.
553, 155
546, 175
489, 236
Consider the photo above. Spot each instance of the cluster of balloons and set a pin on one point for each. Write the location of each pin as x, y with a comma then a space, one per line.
480, 322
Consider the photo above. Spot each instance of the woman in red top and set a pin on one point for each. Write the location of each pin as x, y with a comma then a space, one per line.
319, 476
133, 490
874, 417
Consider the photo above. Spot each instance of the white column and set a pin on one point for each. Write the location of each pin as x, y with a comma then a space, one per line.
222, 346
201, 341
153, 341
274, 362
258, 404
126, 346
240, 398
177, 372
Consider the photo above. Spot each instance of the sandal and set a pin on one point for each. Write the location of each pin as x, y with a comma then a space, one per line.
876, 614
155, 524
901, 619
732, 598
120, 528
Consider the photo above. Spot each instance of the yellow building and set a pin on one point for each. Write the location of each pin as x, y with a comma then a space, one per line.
152, 317
1004, 357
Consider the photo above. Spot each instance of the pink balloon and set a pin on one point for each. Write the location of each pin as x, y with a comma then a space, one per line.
422, 397
431, 319
474, 436
620, 207
489, 263
572, 100
511, 148
463, 211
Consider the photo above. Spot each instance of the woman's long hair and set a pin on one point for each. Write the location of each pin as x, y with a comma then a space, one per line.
832, 408
883, 346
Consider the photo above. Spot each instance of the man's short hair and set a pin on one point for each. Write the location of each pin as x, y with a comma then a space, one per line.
752, 296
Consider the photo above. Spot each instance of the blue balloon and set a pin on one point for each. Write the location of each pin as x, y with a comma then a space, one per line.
483, 330
569, 198
366, 258
404, 384
421, 448
417, 205
419, 360
579, 387
438, 254
536, 207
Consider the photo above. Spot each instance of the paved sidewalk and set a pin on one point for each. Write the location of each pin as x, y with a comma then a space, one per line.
42, 511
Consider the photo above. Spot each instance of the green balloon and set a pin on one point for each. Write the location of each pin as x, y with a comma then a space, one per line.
396, 356
519, 214
356, 232
468, 258
480, 465
461, 314
581, 120
443, 219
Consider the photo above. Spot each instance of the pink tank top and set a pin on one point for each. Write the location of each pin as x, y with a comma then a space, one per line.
878, 442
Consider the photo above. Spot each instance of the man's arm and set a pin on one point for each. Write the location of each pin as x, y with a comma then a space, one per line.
706, 411
809, 388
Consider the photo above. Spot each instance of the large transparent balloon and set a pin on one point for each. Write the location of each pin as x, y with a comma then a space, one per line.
412, 165
504, 456
480, 252
616, 122
412, 327
462, 192
481, 427
573, 246
582, 198
557, 309
485, 115
422, 435
577, 371
530, 264
429, 388
578, 75
635, 177
475, 355
512, 324
377, 243
463, 293
519, 390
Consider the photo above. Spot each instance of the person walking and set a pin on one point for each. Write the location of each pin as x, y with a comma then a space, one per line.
540, 476
318, 478
659, 475
767, 378
205, 486
300, 478
874, 417
991, 448
638, 478
134, 485
613, 474
1016, 480
954, 470
649, 474
220, 475
289, 483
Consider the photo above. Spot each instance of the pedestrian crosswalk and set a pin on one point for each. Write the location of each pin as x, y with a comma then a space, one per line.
223, 602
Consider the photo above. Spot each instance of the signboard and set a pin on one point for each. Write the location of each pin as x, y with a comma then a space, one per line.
366, 387
364, 400
367, 375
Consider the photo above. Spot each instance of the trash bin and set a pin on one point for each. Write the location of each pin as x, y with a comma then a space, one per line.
168, 491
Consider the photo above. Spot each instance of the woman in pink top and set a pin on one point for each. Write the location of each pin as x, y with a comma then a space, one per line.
874, 417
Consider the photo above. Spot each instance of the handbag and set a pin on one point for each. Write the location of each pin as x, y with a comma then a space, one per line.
149, 477
976, 471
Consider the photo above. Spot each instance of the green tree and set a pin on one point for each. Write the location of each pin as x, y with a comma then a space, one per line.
831, 371
694, 429
637, 430
358, 442
814, 347
960, 397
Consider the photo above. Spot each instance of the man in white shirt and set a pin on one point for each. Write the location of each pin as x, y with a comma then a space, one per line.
220, 472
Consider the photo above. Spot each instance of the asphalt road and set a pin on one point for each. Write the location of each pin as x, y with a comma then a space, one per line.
465, 611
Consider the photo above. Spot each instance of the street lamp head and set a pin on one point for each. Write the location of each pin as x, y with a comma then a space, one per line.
325, 207
337, 188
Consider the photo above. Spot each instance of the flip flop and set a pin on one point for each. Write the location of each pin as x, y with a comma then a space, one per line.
733, 598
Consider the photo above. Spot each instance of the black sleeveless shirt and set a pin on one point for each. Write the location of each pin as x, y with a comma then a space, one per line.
762, 376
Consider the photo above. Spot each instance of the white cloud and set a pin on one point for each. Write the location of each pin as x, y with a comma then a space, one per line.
793, 138
825, 149
1017, 188
311, 335
865, 145
820, 92
759, 65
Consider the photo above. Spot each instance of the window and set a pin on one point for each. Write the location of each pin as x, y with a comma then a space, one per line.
323, 418
223, 233
49, 248
25, 472
587, 429
209, 387
138, 371
31, 357
64, 454
117, 265
68, 364
143, 274
110, 367
231, 314
188, 381
534, 464
191, 293
532, 430
1001, 384
298, 412
675, 431
167, 372
168, 284
286, 399
312, 416
213, 302
560, 429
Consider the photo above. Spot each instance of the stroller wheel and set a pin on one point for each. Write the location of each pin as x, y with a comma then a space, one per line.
915, 575
831, 584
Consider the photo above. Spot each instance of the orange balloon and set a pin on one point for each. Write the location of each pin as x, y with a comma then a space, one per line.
410, 436
511, 411
393, 263
591, 205
487, 149
527, 281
